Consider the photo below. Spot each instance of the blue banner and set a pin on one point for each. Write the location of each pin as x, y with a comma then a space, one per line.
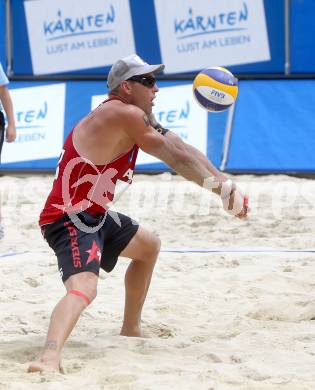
272, 126
52, 109
274, 11
145, 34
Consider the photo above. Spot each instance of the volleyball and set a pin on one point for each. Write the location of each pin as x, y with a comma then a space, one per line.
215, 88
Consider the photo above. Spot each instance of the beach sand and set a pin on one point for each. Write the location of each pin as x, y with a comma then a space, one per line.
239, 318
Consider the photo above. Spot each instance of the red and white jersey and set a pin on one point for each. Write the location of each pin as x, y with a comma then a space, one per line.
80, 185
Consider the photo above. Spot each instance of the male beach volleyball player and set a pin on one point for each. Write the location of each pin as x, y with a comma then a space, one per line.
8, 133
99, 156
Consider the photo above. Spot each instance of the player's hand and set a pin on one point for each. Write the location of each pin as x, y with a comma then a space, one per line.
236, 204
10, 133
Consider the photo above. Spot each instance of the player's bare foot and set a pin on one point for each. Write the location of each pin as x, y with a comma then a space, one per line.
45, 366
131, 331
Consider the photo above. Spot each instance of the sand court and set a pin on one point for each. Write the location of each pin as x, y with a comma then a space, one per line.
242, 317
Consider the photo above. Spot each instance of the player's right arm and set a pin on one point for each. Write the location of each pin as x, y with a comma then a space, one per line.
175, 154
150, 141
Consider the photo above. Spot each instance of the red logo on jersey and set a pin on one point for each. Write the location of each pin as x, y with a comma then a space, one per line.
94, 253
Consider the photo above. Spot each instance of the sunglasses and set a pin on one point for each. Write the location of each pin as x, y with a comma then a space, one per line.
147, 81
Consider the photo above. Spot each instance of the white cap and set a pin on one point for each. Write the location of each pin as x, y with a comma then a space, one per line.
130, 66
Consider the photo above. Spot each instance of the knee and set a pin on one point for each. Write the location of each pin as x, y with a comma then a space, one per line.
86, 284
157, 245
91, 286
91, 292
153, 248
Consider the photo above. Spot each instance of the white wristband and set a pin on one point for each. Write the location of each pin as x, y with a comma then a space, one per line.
226, 189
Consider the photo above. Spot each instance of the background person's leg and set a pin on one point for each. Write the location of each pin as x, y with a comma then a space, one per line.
143, 249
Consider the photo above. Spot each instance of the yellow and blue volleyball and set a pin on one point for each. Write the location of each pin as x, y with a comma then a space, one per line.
215, 88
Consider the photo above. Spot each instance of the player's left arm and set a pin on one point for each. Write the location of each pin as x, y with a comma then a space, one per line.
176, 140
197, 154
218, 177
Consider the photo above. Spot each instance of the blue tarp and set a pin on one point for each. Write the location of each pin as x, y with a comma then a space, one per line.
302, 36
273, 128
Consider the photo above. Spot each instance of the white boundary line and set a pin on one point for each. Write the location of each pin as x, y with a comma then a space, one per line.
237, 250
202, 250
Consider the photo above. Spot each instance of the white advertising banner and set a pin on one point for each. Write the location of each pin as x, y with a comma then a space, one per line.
97, 100
68, 35
175, 109
196, 34
39, 115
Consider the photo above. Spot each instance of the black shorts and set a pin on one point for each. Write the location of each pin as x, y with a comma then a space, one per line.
2, 125
79, 250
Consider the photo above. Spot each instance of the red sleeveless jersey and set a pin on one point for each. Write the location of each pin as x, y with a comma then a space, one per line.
80, 185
